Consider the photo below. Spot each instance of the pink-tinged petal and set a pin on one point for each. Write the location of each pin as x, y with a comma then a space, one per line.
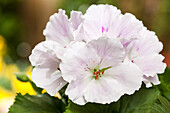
105, 16
80, 34
128, 75
46, 73
76, 19
128, 27
75, 89
71, 61
109, 50
49, 79
108, 21
59, 29
105, 90
148, 43
149, 80
150, 64
44, 52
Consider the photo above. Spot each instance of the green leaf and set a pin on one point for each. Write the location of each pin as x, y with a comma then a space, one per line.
165, 83
36, 104
165, 103
143, 101
93, 108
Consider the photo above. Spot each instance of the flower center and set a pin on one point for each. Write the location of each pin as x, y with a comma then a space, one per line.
99, 72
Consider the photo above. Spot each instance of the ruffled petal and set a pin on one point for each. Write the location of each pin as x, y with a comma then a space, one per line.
46, 73
75, 89
49, 79
148, 43
76, 19
111, 51
128, 27
128, 75
150, 64
59, 29
149, 80
105, 16
108, 21
44, 52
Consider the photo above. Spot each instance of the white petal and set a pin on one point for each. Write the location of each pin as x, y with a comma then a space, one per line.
128, 27
71, 61
46, 51
76, 89
109, 21
151, 64
80, 34
55, 86
105, 90
105, 15
128, 75
48, 79
46, 73
76, 19
148, 43
111, 51
149, 80
59, 29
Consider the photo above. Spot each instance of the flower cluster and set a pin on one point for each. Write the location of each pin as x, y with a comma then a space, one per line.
101, 55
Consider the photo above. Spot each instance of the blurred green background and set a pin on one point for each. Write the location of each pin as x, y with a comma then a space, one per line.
22, 23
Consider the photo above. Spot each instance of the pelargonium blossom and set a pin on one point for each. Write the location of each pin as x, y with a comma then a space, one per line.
46, 55
101, 55
95, 72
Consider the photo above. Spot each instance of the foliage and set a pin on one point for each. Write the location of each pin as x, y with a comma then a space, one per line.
42, 103
146, 100
143, 101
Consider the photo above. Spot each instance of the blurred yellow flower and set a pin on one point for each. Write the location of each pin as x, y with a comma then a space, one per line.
9, 85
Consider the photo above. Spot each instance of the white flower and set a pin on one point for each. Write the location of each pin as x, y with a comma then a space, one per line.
102, 55
144, 52
46, 55
95, 72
